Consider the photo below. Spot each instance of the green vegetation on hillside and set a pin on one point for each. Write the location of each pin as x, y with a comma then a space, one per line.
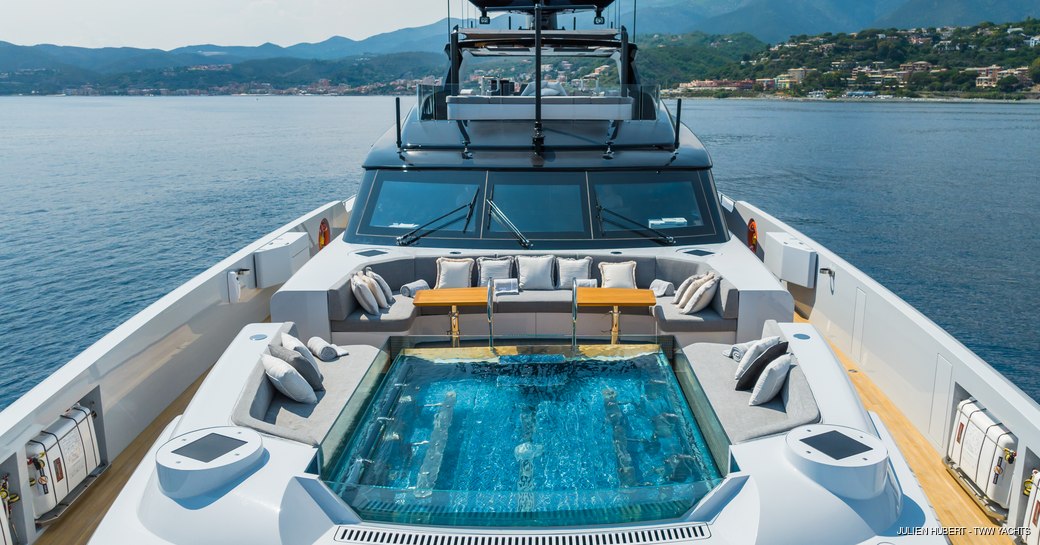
670, 60
878, 59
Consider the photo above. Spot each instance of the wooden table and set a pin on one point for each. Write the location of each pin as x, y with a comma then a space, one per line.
615, 298
454, 298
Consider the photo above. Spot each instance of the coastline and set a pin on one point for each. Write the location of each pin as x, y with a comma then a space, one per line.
761, 97
937, 100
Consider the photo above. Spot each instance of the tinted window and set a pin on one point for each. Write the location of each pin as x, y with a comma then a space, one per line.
639, 204
658, 205
542, 209
406, 205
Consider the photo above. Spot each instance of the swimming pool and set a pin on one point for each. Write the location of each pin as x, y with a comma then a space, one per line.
525, 438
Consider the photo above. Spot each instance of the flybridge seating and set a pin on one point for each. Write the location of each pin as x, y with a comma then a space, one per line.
498, 100
579, 108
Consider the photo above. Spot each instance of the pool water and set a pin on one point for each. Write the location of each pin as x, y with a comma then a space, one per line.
525, 439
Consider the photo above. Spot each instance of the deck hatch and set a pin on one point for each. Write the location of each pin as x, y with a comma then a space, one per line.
654, 536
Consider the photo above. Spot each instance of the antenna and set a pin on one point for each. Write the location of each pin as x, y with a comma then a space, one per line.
538, 140
449, 19
635, 9
678, 123
397, 102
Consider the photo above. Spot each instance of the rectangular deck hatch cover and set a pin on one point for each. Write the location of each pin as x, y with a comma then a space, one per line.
835, 444
209, 448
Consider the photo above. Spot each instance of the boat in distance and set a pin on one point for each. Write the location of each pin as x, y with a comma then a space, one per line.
538, 322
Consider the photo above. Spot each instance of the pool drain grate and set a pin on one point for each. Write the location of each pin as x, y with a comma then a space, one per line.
664, 534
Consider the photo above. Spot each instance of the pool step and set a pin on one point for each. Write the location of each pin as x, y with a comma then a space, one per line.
648, 536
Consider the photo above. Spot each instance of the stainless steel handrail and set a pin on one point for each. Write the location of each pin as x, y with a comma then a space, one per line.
491, 313
574, 314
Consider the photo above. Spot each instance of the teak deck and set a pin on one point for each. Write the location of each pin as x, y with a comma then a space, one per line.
952, 506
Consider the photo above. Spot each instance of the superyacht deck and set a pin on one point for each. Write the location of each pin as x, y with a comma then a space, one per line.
953, 507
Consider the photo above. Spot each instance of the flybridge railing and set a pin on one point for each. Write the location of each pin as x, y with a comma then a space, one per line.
560, 102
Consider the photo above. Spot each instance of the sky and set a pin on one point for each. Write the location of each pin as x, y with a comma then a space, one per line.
169, 24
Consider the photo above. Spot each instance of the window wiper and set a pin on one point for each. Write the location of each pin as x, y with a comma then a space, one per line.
499, 215
657, 234
414, 235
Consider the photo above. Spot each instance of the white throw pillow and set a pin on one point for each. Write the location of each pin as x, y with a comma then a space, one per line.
287, 380
387, 292
569, 269
491, 268
771, 380
535, 272
587, 283
381, 300
454, 272
618, 275
363, 294
681, 290
702, 297
292, 343
692, 283
753, 353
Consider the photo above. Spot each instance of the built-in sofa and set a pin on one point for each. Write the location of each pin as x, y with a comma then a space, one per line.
346, 316
794, 406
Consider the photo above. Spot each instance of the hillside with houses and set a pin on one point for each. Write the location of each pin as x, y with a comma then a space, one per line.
981, 61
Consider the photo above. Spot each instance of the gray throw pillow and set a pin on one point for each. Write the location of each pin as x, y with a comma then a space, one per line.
292, 343
569, 269
492, 268
303, 366
364, 295
755, 351
618, 275
454, 272
287, 380
535, 272
772, 380
750, 376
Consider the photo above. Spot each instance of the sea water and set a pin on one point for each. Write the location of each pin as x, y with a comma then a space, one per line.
109, 203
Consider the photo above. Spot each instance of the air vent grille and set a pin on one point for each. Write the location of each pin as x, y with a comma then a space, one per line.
370, 253
649, 536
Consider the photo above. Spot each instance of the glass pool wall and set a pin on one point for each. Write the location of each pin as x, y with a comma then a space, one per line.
528, 437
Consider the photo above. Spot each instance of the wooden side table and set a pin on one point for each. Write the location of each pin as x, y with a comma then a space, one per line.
615, 298
454, 298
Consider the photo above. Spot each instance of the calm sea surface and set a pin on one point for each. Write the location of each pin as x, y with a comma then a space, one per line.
109, 203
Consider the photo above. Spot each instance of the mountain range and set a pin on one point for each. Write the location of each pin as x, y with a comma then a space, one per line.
768, 20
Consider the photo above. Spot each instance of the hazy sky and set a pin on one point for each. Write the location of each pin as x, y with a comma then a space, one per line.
173, 23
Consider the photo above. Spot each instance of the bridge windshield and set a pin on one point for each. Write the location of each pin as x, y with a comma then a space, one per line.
555, 210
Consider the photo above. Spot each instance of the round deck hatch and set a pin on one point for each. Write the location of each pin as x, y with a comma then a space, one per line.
846, 461
204, 460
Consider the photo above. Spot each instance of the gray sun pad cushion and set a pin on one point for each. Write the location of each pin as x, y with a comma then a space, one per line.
795, 406
266, 410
